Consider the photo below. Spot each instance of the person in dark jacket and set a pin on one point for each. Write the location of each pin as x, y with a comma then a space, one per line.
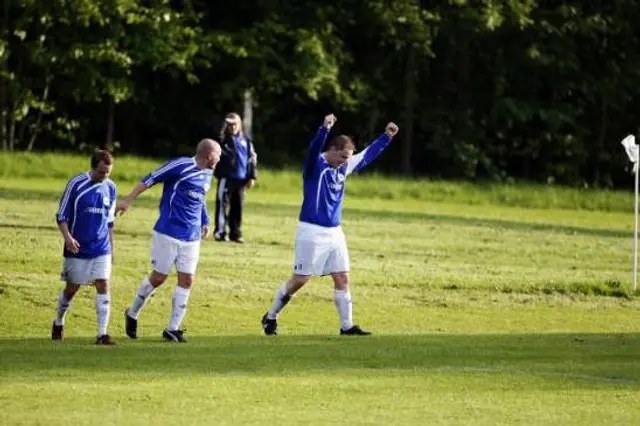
236, 172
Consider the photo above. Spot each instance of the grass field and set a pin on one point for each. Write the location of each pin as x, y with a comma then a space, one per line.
490, 305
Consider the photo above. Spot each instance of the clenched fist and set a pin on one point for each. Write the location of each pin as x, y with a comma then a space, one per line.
329, 121
392, 129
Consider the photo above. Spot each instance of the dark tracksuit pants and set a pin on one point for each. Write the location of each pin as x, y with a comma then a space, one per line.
229, 206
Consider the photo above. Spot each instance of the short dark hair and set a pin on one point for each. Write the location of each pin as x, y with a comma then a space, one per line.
341, 142
101, 156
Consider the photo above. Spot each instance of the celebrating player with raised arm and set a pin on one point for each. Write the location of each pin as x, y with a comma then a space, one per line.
182, 223
320, 245
85, 219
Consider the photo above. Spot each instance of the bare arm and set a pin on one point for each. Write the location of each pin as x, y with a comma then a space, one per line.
70, 243
125, 203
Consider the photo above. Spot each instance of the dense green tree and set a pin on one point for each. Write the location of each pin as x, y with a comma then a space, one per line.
497, 89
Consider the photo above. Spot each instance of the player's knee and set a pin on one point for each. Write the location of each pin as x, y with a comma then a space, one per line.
102, 286
71, 290
185, 280
341, 280
156, 278
296, 282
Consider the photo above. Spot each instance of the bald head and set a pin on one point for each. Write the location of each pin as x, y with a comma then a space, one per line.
206, 145
208, 153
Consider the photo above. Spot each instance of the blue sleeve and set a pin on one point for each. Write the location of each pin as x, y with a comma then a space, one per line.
367, 155
167, 172
66, 202
317, 143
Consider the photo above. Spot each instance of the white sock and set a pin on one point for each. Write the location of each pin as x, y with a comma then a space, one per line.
144, 291
103, 309
343, 304
178, 307
279, 302
62, 308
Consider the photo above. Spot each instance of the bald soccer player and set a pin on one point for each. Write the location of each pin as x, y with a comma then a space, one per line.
182, 223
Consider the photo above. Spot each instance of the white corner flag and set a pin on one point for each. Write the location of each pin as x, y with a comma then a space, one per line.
630, 147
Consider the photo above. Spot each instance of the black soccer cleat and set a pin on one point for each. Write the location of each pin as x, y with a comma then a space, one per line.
105, 339
270, 326
131, 325
354, 331
175, 336
57, 331
220, 237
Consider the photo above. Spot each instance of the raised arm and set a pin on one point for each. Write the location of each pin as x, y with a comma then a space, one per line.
371, 152
317, 143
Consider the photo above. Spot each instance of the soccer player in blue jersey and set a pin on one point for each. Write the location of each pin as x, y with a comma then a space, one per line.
320, 245
85, 219
183, 221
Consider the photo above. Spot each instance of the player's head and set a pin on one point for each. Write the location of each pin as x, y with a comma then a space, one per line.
340, 150
101, 165
232, 124
208, 154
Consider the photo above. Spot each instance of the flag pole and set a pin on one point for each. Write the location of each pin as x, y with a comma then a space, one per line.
635, 230
633, 152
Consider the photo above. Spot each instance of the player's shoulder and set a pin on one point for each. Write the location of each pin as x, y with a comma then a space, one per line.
78, 178
176, 161
182, 162
111, 184
316, 168
322, 161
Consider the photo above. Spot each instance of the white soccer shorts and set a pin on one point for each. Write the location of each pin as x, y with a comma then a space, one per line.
86, 271
320, 250
167, 251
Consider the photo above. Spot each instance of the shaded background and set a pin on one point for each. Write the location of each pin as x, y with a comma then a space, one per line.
483, 90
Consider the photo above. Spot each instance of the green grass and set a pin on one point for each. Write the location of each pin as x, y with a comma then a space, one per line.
486, 310
128, 169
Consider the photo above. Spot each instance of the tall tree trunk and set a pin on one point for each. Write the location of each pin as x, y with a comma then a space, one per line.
12, 113
247, 114
4, 110
36, 129
374, 115
597, 150
108, 143
409, 104
12, 127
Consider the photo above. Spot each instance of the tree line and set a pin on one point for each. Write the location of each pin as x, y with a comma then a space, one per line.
483, 90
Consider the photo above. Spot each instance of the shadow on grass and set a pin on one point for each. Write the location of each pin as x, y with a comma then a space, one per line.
283, 209
278, 209
596, 358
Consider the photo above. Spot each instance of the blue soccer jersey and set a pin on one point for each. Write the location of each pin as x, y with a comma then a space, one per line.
88, 207
324, 185
183, 206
